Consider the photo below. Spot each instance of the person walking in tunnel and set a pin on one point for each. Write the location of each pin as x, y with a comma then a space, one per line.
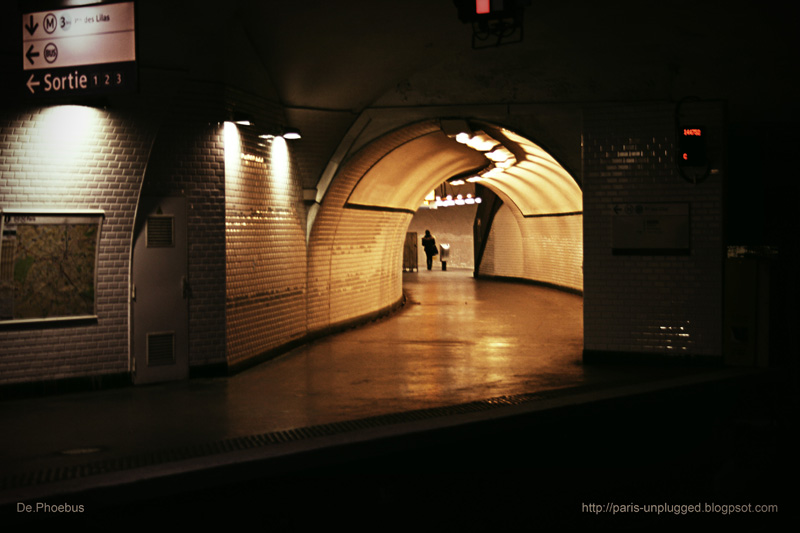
429, 245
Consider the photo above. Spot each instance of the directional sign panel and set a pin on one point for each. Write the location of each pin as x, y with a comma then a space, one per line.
85, 50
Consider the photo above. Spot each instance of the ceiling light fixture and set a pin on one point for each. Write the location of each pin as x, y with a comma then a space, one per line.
463, 137
286, 133
448, 201
482, 143
291, 133
242, 119
497, 155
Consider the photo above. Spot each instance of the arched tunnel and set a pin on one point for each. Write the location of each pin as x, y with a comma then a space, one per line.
531, 230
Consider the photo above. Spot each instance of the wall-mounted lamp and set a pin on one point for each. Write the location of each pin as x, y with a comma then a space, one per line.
286, 133
242, 119
291, 133
268, 131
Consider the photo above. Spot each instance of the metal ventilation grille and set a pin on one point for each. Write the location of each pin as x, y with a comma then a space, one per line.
160, 231
7, 252
161, 348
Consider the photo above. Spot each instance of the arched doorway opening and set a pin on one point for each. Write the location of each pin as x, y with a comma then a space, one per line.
533, 230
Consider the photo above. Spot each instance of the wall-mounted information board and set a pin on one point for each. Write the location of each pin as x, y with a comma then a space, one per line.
650, 229
48, 264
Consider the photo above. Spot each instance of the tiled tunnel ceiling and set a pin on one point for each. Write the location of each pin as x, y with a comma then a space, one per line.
537, 184
402, 178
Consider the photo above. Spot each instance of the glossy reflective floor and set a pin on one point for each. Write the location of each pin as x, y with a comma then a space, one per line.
456, 340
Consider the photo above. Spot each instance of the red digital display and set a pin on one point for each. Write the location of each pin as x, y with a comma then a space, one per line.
482, 7
691, 149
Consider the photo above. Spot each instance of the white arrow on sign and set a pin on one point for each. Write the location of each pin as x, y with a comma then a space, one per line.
31, 84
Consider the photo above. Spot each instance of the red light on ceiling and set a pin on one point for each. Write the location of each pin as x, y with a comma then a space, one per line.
482, 7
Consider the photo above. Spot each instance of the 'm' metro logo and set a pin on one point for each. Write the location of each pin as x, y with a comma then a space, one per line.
50, 23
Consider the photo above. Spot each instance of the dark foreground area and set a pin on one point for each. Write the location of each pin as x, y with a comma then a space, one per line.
712, 454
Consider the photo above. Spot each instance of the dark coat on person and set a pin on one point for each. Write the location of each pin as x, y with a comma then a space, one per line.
429, 244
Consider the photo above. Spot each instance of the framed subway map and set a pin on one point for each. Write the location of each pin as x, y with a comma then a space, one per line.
48, 264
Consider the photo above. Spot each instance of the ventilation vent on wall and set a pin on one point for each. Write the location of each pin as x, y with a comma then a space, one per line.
161, 348
7, 260
160, 231
7, 253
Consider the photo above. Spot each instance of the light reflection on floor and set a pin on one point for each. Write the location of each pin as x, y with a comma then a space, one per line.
457, 340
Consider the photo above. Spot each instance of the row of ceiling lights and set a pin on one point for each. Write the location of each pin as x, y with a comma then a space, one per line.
434, 201
500, 156
286, 132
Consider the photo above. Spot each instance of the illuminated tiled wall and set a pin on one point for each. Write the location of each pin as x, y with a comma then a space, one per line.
548, 249
650, 303
70, 157
356, 255
504, 253
265, 245
255, 284
247, 251
356, 266
247, 255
